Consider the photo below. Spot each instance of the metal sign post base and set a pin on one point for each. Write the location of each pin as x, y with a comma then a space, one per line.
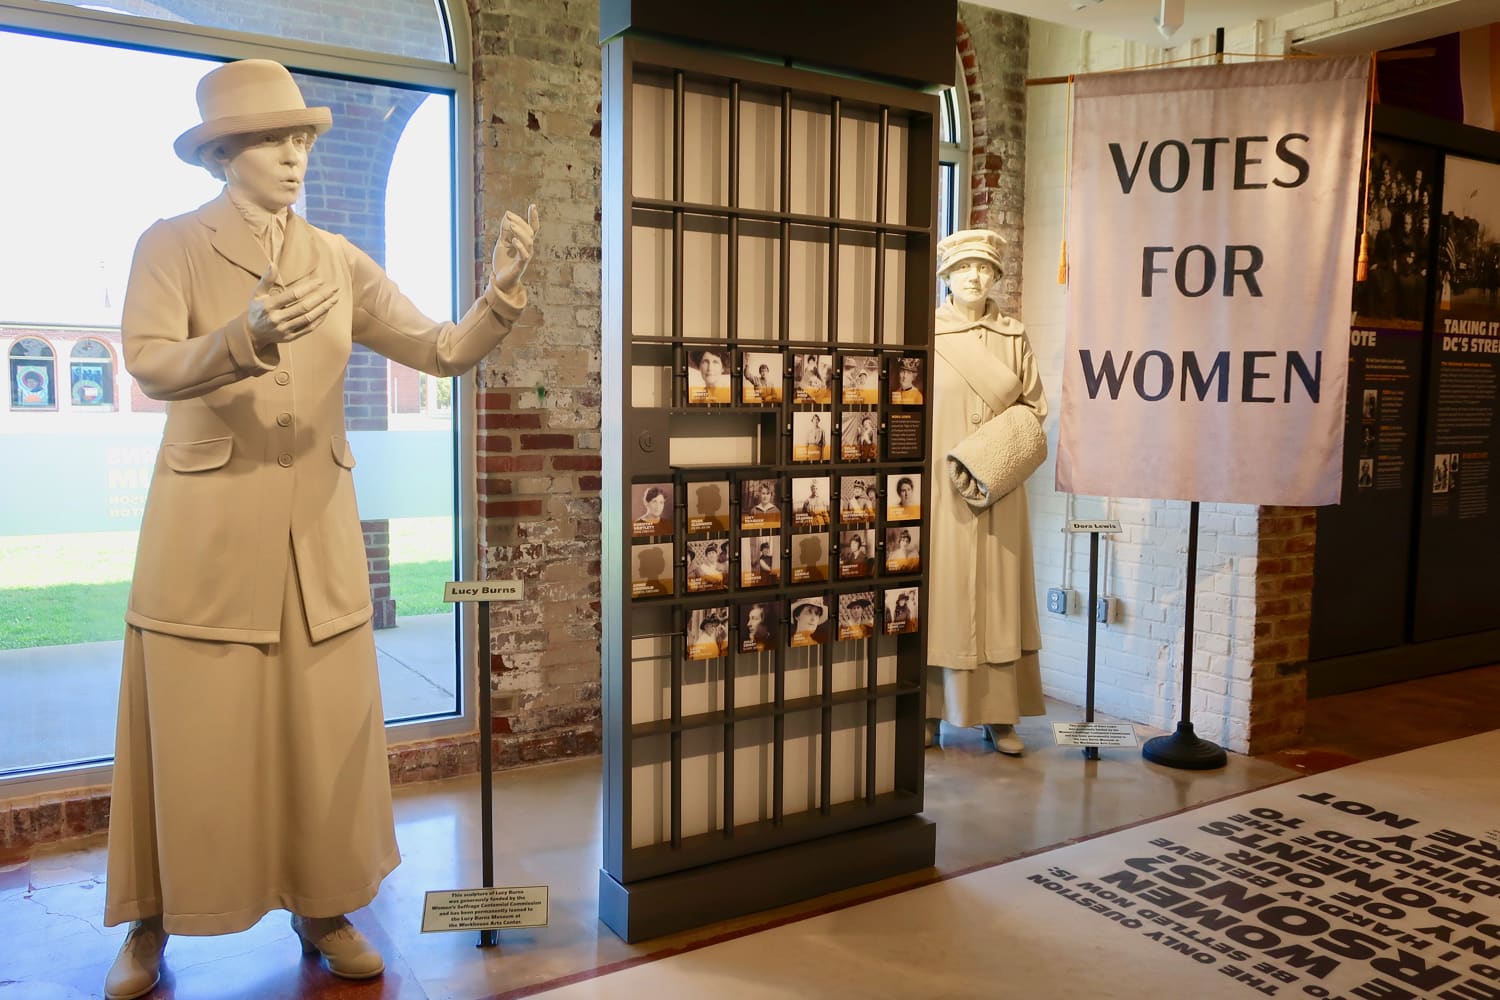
1184, 749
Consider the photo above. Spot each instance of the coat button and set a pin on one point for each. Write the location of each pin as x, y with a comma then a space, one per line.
973, 418
284, 460
284, 420
282, 378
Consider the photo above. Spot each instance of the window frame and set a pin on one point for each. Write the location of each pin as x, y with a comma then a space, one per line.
454, 78
111, 367
959, 153
49, 360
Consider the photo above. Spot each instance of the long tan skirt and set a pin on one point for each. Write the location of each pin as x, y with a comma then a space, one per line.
996, 693
248, 778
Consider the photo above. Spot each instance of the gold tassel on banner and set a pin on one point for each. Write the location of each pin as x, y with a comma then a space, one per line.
1062, 256
1362, 263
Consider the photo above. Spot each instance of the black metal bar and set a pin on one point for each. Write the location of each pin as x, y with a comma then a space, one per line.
1092, 753
835, 155
730, 663
732, 301
825, 754
679, 650
872, 675
1192, 598
882, 183
778, 726
771, 215
678, 140
485, 707
785, 305
1093, 622
1184, 748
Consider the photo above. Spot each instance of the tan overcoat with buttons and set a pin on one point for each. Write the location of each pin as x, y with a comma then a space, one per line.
254, 453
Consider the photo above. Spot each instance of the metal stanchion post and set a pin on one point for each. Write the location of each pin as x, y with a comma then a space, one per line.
487, 938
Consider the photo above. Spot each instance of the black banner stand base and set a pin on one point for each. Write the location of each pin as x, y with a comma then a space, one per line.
1184, 749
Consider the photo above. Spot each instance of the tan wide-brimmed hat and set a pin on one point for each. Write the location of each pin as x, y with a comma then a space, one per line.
248, 96
967, 244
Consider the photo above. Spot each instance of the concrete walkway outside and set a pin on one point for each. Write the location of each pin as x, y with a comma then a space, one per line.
57, 703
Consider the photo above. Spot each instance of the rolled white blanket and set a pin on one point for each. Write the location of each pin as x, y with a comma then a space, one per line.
998, 457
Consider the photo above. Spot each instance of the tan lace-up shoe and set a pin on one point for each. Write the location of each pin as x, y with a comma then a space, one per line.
346, 952
137, 967
1005, 738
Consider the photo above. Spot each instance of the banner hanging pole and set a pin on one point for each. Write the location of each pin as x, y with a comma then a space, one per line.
1185, 749
1092, 753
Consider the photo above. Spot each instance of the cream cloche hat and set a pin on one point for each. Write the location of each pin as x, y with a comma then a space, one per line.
967, 244
247, 96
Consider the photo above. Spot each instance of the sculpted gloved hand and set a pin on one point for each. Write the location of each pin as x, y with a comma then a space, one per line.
513, 250
280, 315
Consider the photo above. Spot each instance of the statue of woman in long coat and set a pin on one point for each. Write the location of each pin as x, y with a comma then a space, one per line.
250, 762
982, 629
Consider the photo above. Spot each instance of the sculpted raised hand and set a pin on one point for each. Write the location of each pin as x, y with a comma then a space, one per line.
280, 315
513, 249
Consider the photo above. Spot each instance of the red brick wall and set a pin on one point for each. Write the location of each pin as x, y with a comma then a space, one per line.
537, 87
992, 48
1283, 616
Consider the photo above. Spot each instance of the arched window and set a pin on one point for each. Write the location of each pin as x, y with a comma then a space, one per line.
110, 84
414, 28
954, 154
91, 374
33, 375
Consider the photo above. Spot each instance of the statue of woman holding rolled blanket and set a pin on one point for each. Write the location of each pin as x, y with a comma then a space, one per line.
987, 411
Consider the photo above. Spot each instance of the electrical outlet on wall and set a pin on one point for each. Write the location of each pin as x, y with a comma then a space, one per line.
1106, 609
1059, 600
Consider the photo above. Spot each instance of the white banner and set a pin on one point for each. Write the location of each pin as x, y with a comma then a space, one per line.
1213, 214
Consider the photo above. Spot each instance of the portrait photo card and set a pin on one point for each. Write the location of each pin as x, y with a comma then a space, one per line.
812, 375
857, 499
707, 506
859, 439
760, 626
707, 564
903, 496
760, 561
856, 553
809, 622
857, 615
810, 501
761, 379
708, 633
810, 557
906, 381
811, 436
903, 548
860, 380
651, 569
901, 611
760, 504
651, 509
708, 376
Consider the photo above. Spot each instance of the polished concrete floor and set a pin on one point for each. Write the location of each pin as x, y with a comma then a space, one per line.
988, 809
